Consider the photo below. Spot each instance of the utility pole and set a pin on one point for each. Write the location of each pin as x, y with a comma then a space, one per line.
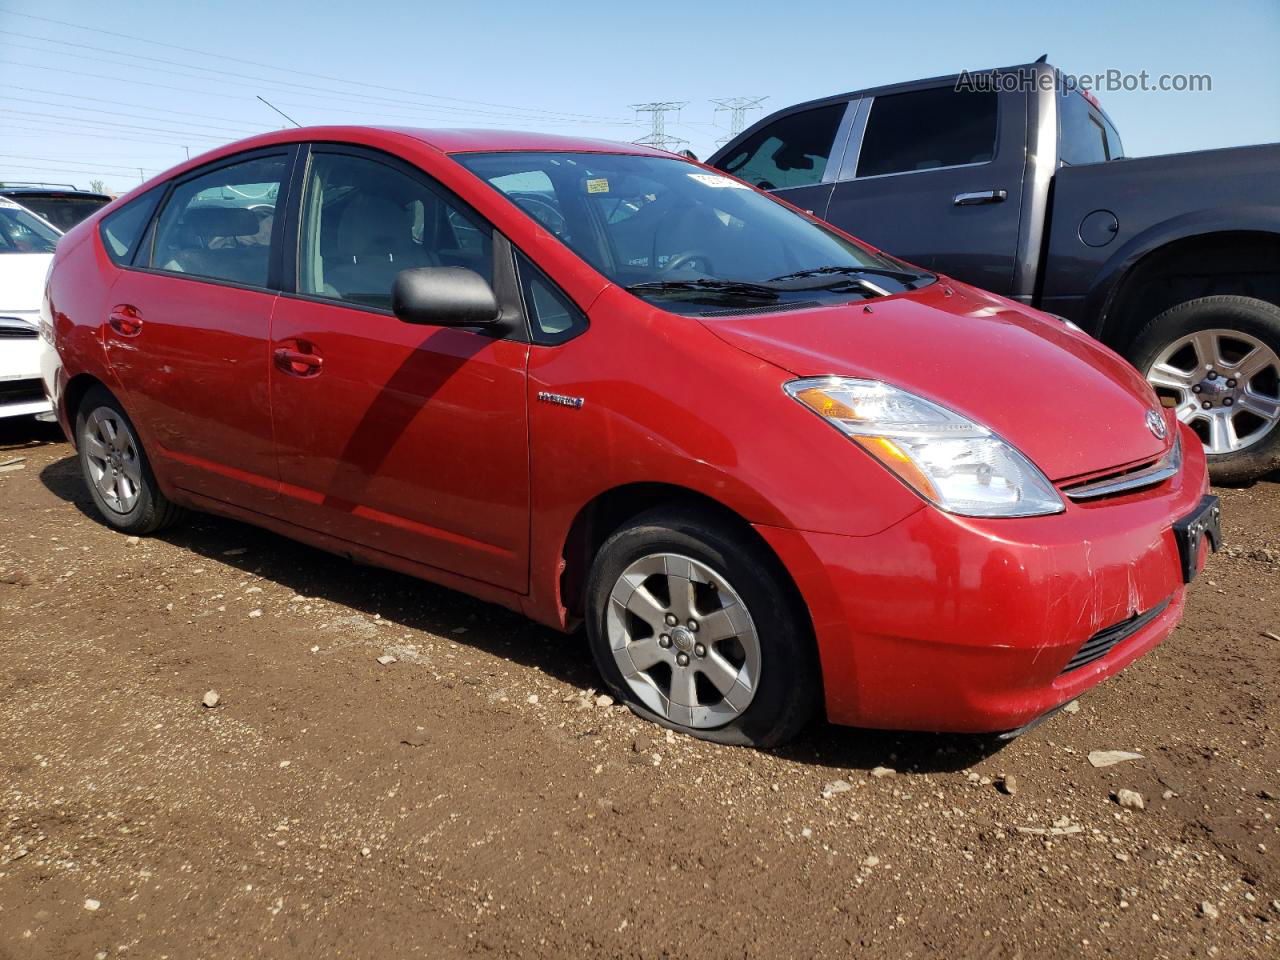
657, 136
737, 108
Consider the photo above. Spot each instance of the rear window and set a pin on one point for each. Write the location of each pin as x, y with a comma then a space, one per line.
1082, 138
22, 232
928, 130
66, 211
120, 230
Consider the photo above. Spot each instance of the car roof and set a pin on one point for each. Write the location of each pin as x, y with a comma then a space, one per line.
465, 140
52, 192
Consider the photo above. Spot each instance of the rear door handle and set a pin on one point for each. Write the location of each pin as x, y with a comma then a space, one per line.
980, 196
125, 319
297, 363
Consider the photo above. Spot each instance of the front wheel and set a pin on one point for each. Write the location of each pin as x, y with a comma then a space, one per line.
1217, 359
693, 625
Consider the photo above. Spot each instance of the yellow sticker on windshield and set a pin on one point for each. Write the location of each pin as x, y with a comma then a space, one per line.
598, 185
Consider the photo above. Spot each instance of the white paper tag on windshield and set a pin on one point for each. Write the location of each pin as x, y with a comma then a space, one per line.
714, 180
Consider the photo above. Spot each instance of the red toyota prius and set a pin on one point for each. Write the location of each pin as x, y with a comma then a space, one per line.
771, 469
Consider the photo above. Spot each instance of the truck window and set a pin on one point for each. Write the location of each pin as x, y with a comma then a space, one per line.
1081, 135
928, 129
791, 152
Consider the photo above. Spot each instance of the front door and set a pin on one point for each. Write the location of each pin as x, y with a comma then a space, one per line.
935, 177
409, 439
187, 329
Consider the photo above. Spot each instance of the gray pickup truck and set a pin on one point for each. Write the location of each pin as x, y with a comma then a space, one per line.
1010, 180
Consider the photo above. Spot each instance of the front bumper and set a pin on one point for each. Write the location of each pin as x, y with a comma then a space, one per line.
21, 390
949, 623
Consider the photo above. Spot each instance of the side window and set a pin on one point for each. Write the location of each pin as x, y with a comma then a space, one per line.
791, 152
552, 316
927, 130
364, 221
121, 230
1081, 136
221, 224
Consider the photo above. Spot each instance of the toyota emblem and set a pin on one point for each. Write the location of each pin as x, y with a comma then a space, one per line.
1156, 424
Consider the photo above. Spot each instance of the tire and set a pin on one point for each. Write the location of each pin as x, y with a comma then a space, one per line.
1175, 352
759, 648
117, 471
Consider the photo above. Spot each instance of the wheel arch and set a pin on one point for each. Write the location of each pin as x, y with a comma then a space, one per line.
610, 509
73, 395
1233, 252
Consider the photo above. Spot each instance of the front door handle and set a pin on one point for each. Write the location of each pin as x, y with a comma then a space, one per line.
297, 362
980, 196
125, 319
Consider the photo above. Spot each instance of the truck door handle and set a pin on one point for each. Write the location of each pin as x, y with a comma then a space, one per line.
125, 319
980, 196
297, 363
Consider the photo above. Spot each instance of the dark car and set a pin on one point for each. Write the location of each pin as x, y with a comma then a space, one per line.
60, 204
1016, 182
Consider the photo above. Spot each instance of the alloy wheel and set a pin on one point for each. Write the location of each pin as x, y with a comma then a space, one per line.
111, 456
1226, 386
683, 640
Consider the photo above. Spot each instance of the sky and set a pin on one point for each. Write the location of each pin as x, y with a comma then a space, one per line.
118, 91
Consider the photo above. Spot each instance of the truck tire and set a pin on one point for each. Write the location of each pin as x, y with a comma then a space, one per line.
695, 626
1219, 358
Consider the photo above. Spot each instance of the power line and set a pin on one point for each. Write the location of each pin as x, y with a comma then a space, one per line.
118, 166
737, 108
658, 136
529, 112
136, 106
60, 118
239, 132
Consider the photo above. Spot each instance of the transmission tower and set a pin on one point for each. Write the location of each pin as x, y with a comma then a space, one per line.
737, 108
657, 136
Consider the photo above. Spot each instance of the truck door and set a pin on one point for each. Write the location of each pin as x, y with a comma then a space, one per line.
935, 176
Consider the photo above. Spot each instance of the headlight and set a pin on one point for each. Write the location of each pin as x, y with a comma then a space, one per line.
959, 465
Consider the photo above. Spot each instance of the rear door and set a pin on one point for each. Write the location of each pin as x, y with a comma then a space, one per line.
188, 321
934, 176
794, 154
409, 439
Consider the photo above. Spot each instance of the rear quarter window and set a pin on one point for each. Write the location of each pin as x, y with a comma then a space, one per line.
121, 230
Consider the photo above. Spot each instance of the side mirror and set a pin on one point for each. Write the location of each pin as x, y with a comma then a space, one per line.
444, 297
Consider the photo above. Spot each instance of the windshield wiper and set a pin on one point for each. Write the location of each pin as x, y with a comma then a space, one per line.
902, 275
709, 285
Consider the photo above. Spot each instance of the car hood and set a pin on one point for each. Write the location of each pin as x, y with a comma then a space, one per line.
22, 282
1067, 402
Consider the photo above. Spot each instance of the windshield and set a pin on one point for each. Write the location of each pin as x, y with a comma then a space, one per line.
20, 232
686, 238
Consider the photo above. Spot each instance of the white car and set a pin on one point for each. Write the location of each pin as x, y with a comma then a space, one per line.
26, 250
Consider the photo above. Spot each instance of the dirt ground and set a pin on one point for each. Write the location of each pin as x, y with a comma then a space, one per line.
473, 799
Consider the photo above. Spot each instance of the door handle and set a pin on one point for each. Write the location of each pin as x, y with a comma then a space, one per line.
125, 319
980, 196
297, 363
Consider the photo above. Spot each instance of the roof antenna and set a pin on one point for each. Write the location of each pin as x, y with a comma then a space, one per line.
279, 111
1043, 58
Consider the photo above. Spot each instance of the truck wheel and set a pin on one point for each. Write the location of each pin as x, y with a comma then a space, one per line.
116, 469
694, 626
1218, 359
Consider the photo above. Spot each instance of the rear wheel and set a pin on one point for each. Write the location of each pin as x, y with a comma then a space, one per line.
116, 470
694, 625
1218, 360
